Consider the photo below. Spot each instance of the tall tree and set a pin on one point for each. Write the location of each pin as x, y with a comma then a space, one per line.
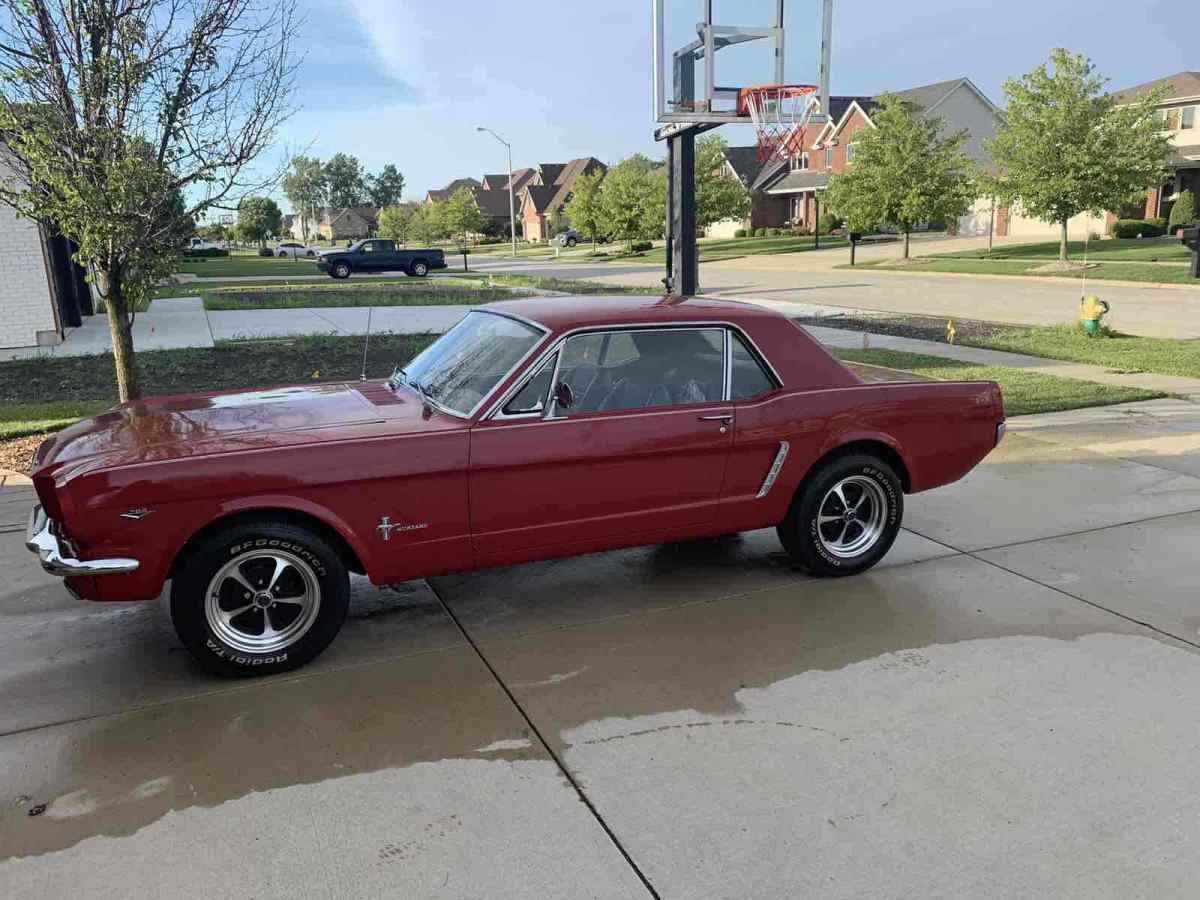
386, 188
905, 172
1067, 148
719, 194
462, 216
111, 109
258, 219
427, 223
629, 200
346, 181
584, 207
307, 189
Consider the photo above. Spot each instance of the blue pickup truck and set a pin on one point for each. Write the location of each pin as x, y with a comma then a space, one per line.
377, 255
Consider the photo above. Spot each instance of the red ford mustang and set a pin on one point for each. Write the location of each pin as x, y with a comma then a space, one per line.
532, 429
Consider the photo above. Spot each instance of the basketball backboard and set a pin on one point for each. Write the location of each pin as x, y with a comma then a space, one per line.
705, 51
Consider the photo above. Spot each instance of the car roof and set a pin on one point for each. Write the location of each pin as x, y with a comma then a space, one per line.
558, 314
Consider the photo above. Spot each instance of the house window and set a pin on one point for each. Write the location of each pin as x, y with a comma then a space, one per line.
849, 153
1173, 119
1188, 120
829, 157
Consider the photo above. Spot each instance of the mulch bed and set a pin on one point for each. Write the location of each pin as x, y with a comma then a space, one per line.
16, 453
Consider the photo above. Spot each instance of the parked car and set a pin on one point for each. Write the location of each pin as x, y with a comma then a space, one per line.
196, 244
571, 238
296, 250
533, 429
376, 255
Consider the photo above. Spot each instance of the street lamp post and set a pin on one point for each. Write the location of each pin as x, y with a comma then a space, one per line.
512, 206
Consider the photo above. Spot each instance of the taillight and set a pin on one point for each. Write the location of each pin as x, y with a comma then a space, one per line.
48, 496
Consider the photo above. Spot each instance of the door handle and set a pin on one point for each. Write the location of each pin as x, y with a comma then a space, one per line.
728, 417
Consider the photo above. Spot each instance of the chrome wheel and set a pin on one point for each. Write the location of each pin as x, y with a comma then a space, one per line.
852, 517
263, 602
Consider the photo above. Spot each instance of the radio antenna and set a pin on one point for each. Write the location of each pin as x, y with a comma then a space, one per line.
366, 344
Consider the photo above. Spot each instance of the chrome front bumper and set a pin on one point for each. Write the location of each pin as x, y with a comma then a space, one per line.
40, 539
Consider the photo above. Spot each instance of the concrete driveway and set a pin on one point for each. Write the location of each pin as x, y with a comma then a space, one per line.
1002, 709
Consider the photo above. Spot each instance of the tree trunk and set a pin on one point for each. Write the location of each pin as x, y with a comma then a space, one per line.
122, 339
1062, 246
906, 236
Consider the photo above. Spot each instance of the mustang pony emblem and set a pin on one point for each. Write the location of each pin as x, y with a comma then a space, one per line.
386, 526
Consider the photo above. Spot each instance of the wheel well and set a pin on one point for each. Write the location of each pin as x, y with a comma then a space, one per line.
871, 448
289, 516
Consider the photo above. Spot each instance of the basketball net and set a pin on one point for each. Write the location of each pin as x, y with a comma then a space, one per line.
780, 113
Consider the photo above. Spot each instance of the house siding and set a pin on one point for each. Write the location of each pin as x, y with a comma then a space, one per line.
26, 306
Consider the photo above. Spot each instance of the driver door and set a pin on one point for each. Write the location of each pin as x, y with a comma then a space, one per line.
633, 451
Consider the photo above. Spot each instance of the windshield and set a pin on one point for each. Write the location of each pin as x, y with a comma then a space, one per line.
465, 364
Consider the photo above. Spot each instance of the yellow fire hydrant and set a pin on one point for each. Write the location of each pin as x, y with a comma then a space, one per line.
1091, 310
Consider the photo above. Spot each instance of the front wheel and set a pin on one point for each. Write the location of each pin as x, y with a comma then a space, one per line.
259, 598
847, 517
341, 270
571, 242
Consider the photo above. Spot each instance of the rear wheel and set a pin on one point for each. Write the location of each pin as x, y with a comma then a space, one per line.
420, 268
571, 242
847, 517
340, 270
259, 598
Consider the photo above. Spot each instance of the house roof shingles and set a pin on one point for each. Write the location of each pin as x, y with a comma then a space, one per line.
1183, 84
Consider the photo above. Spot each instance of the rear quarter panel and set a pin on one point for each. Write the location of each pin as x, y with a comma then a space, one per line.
940, 430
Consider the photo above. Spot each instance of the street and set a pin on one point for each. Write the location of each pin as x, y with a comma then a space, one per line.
999, 710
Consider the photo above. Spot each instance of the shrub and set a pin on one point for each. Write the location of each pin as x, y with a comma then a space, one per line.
760, 232
830, 223
1183, 213
205, 253
642, 246
741, 232
1139, 228
265, 251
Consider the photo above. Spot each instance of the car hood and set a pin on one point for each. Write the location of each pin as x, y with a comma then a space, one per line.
198, 424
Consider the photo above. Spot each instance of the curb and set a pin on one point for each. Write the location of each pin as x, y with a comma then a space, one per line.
9, 478
1042, 279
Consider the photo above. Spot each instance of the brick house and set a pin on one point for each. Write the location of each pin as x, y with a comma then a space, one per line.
548, 191
441, 195
765, 211
349, 223
801, 182
1179, 113
42, 291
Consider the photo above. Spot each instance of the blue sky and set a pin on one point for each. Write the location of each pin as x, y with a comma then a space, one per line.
406, 81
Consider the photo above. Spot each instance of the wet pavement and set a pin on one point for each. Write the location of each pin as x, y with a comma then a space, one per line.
1000, 709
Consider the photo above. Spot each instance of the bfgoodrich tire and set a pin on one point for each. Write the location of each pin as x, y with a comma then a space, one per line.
259, 598
847, 517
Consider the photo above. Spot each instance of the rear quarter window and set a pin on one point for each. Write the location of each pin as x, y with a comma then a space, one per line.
750, 377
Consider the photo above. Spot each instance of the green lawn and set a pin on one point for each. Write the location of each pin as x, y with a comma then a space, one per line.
241, 265
1144, 250
567, 285
1119, 352
1142, 272
1025, 393
23, 419
444, 292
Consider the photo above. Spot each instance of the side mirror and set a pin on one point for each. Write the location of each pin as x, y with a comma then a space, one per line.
564, 397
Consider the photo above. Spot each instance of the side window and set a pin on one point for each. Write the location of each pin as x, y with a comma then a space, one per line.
532, 397
643, 369
368, 247
749, 377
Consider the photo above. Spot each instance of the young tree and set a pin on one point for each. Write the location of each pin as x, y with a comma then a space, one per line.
904, 172
386, 188
345, 180
426, 226
306, 189
462, 216
394, 221
1067, 148
258, 219
111, 109
1183, 213
584, 207
628, 201
719, 195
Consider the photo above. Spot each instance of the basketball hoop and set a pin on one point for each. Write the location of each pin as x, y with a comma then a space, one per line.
781, 113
